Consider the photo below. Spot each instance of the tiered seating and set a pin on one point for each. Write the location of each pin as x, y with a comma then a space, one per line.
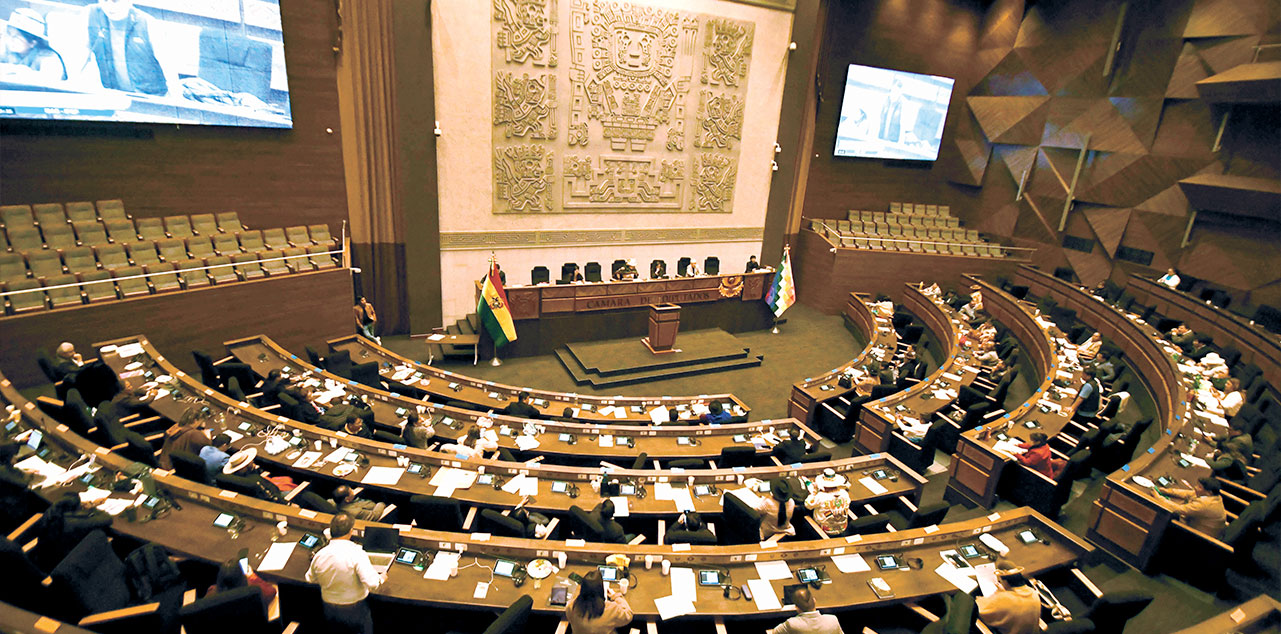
70, 250
907, 227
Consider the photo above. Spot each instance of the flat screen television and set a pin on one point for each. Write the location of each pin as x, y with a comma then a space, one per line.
200, 62
891, 114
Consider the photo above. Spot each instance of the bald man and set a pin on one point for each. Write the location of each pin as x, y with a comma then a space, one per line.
809, 621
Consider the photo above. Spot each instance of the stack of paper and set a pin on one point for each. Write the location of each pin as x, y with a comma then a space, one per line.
387, 476
606, 441
681, 496
658, 415
527, 443
522, 485
277, 556
670, 607
763, 594
872, 485
770, 570
958, 578
683, 583
441, 566
849, 564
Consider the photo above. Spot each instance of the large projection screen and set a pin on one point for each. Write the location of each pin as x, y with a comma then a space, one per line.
202, 62
891, 114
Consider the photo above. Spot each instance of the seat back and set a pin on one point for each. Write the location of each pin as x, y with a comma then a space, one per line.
24, 238
24, 302
200, 247
740, 523
172, 250
204, 224
165, 279
121, 231
190, 466
496, 523
111, 209
128, 284
88, 233
16, 216
430, 512
190, 275
591, 272
59, 236
178, 226
513, 619
90, 579
1113, 610
682, 267
143, 253
251, 241
239, 610
44, 263
585, 525
736, 457
12, 267
83, 210
870, 524
80, 259
274, 238
229, 222
540, 275
208, 371
929, 515
22, 579
239, 371
297, 235
712, 266
320, 234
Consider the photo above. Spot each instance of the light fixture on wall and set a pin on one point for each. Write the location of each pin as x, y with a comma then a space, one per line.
773, 165
437, 131
777, 148
791, 46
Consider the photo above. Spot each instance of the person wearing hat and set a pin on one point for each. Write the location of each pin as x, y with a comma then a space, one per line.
241, 464
27, 54
776, 510
120, 45
1015, 608
830, 502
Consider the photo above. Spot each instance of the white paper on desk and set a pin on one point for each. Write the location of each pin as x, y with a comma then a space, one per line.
337, 455
441, 566
387, 476
763, 594
129, 350
986, 575
673, 606
527, 443
620, 412
1196, 461
516, 484
1050, 405
435, 337
663, 491
684, 502
683, 584
605, 440
307, 460
277, 556
606, 410
748, 496
962, 581
658, 415
401, 374
37, 466
94, 495
954, 378
115, 506
850, 564
872, 485
620, 506
771, 570
700, 408
1010, 446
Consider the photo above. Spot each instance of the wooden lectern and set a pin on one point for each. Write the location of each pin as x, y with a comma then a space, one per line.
664, 321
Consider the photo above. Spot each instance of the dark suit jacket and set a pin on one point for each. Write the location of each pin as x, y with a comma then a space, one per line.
521, 410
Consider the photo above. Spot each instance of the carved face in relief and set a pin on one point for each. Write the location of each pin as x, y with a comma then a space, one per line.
724, 42
531, 166
532, 15
633, 48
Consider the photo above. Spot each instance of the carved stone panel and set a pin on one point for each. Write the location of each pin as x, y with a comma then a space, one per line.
621, 180
522, 176
720, 118
527, 31
525, 105
727, 48
714, 176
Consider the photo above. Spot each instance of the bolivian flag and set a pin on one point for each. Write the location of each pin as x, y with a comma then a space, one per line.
493, 311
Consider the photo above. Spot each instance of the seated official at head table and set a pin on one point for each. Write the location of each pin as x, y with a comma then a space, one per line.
626, 272
658, 270
752, 264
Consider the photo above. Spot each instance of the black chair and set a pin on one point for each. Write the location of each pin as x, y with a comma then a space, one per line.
366, 374
91, 582
882, 391
1116, 451
496, 523
539, 275
233, 389
22, 578
1113, 610
925, 515
640, 460
591, 272
436, 513
314, 357
313, 501
190, 466
736, 457
208, 371
869, 524
740, 523
512, 619
584, 525
339, 362
687, 463
238, 610
1075, 626
682, 267
712, 265
567, 272
241, 372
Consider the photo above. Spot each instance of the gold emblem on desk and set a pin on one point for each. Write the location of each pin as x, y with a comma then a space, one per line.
731, 286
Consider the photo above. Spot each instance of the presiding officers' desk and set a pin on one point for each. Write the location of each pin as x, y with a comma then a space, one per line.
548, 316
558, 441
878, 420
980, 464
659, 493
422, 380
189, 531
813, 394
1257, 346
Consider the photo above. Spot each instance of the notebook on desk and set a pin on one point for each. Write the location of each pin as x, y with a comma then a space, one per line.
380, 544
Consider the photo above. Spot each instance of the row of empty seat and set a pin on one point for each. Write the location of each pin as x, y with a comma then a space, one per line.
909, 228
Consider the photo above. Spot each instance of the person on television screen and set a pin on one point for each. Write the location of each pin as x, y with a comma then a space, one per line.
892, 113
26, 55
120, 41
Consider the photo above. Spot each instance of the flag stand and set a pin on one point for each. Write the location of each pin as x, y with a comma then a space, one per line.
495, 362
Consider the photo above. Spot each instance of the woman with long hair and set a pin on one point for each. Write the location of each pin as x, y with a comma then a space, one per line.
232, 576
592, 612
776, 510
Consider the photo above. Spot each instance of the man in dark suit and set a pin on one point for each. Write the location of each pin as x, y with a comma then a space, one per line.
271, 387
1200, 348
520, 408
752, 264
66, 361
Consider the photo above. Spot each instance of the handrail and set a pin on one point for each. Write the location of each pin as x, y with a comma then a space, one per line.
176, 271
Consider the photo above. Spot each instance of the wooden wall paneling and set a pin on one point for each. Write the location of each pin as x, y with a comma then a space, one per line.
1108, 225
273, 178
295, 310
1218, 18
1188, 70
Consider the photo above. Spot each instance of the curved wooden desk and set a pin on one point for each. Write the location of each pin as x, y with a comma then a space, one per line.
659, 442
478, 392
230, 415
1257, 346
813, 393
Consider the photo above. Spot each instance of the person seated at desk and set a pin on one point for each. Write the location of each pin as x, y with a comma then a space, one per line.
1203, 509
347, 502
215, 454
339, 413
716, 414
231, 576
188, 434
752, 264
970, 311
12, 479
985, 354
627, 272
473, 445
689, 528
416, 433
521, 408
1086, 352
1015, 608
271, 489
1232, 453
356, 427
776, 510
658, 270
1231, 397
566, 415
692, 270
1037, 456
62, 526
829, 499
1170, 279
1200, 348
132, 400
26, 55
611, 531
1106, 368
575, 274
66, 361
592, 612
536, 525
1182, 336
272, 386
808, 620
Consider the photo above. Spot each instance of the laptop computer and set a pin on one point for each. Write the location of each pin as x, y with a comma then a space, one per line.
381, 544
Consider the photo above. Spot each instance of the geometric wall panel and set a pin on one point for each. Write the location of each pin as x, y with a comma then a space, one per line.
1188, 70
1108, 224
997, 115
1217, 18
1224, 53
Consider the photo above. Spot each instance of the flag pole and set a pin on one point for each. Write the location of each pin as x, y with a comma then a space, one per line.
495, 362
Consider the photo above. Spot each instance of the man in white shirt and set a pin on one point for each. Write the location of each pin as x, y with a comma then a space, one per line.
346, 577
1170, 279
809, 621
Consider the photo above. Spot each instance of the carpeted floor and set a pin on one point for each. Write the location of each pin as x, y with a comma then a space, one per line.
811, 343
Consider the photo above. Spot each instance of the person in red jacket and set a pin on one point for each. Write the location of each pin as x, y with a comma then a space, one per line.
1038, 456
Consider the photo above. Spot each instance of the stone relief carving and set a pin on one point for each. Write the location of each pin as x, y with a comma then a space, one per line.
527, 31
523, 174
628, 181
525, 105
726, 51
713, 182
720, 118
